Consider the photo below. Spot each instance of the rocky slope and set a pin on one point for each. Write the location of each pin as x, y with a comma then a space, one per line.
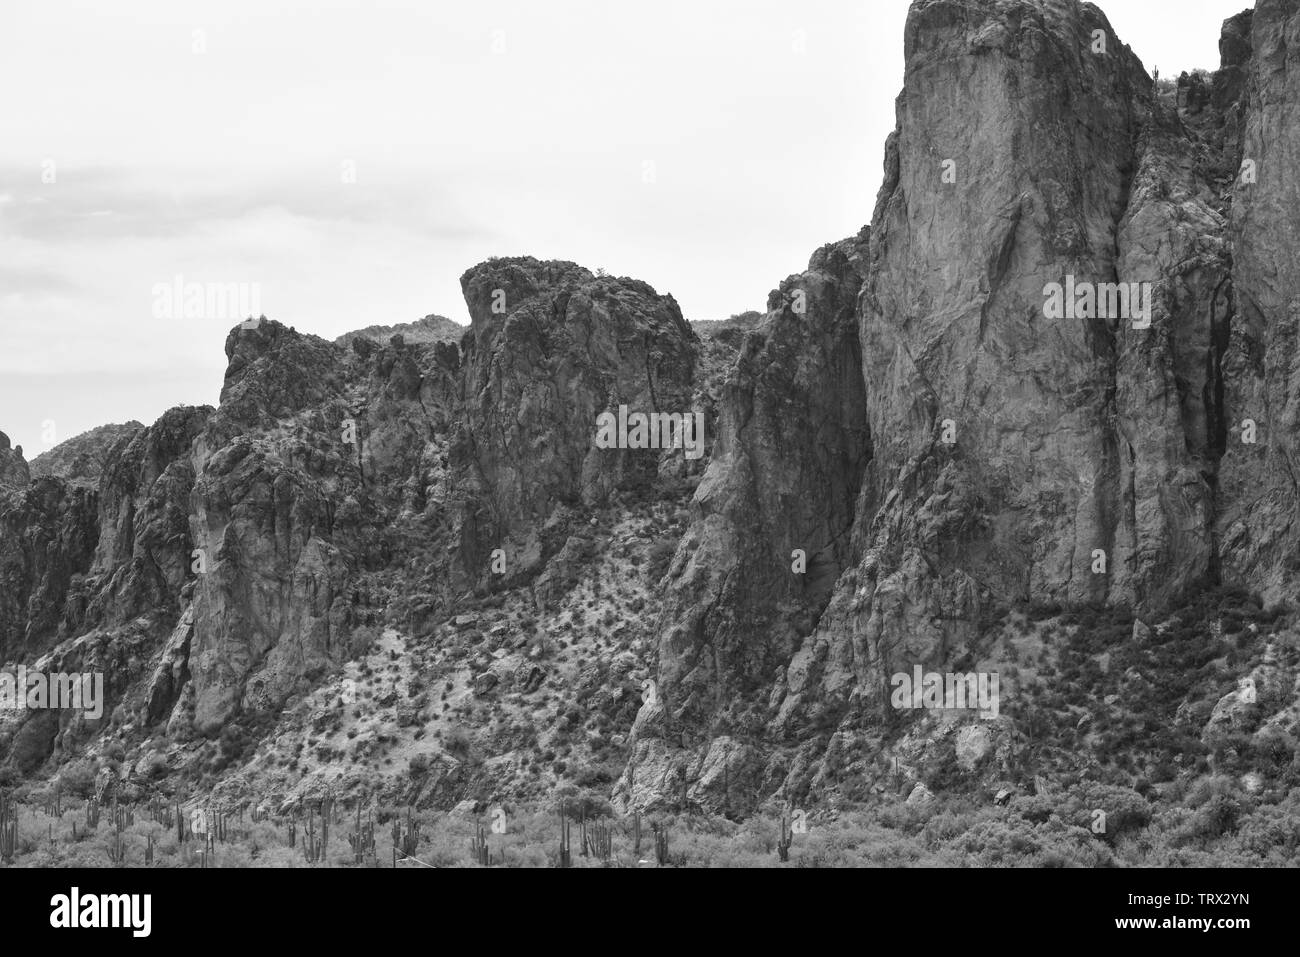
81, 459
424, 331
400, 562
14, 470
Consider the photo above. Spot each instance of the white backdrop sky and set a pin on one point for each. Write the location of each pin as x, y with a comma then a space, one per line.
475, 128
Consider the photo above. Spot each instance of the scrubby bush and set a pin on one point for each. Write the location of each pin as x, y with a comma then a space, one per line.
661, 555
78, 779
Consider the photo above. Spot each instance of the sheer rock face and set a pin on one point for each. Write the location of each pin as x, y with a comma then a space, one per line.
1229, 82
143, 555
48, 534
14, 472
1018, 454
780, 492
324, 462
1257, 522
91, 576
953, 325
78, 557
551, 347
267, 465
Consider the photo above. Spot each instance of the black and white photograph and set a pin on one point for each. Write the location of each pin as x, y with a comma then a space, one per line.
745, 435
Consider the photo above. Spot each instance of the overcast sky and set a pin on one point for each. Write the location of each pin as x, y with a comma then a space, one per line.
352, 163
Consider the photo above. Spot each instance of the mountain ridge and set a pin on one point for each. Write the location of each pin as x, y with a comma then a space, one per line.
409, 547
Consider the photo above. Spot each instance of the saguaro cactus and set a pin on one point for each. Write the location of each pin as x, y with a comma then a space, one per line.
312, 848
363, 839
117, 847
601, 840
786, 839
566, 854
116, 842
478, 847
661, 844
8, 828
406, 837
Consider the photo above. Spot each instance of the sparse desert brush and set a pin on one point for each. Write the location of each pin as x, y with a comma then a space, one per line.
78, 779
945, 832
155, 765
457, 742
362, 639
660, 556
1205, 789
1109, 811
1218, 816
1272, 833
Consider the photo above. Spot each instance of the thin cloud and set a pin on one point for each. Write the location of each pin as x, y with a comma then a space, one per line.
106, 204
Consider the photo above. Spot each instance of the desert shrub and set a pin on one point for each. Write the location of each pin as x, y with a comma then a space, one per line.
34, 740
1271, 835
78, 779
362, 640
1204, 790
587, 776
1217, 817
1041, 611
999, 843
1125, 810
155, 766
578, 801
458, 742
661, 555
1035, 808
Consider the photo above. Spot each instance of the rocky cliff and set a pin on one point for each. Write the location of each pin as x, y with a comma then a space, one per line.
81, 459
1008, 453
1047, 397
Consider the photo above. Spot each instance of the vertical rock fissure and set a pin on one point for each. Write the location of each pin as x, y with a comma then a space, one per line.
1216, 424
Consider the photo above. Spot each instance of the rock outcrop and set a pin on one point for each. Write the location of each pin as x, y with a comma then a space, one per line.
1257, 522
1018, 452
14, 471
81, 460
1057, 373
426, 331
323, 461
552, 347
